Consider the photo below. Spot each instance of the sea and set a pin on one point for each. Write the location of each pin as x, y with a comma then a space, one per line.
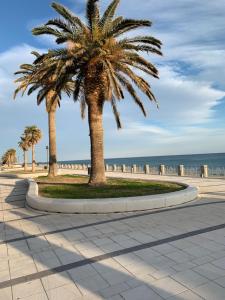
213, 160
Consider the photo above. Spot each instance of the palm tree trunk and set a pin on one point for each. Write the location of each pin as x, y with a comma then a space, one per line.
52, 172
33, 159
95, 109
11, 162
25, 160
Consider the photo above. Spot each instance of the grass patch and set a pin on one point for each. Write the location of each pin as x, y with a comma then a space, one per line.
76, 187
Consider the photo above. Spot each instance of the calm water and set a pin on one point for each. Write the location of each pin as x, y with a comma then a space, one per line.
194, 160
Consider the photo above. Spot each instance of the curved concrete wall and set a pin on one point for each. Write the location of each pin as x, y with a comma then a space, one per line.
109, 205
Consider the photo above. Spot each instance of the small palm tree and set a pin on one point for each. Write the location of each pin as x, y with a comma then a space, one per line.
9, 157
24, 145
103, 62
33, 136
6, 159
44, 75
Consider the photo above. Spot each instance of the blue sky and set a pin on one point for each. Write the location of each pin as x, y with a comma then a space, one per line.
191, 89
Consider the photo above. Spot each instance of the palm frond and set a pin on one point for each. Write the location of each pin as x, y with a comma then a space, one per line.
33, 88
132, 92
142, 84
141, 48
109, 13
113, 81
143, 39
46, 30
68, 15
35, 53
78, 82
116, 113
92, 13
83, 107
127, 25
60, 24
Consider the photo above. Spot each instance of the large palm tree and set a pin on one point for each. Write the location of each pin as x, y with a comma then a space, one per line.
33, 136
45, 75
24, 145
103, 62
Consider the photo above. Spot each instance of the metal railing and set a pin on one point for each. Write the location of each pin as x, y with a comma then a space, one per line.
181, 170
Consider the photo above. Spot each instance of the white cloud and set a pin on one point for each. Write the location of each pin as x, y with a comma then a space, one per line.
183, 100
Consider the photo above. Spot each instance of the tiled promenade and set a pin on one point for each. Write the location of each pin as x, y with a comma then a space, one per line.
176, 253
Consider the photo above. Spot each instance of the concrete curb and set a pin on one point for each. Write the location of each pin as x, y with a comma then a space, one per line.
108, 205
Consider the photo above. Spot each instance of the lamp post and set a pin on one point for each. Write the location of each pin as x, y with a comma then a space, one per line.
47, 156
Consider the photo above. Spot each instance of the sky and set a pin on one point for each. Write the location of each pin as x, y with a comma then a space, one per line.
190, 91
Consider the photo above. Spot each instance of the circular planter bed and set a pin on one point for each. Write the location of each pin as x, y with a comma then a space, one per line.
112, 203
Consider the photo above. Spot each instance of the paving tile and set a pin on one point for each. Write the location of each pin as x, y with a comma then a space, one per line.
140, 268
163, 272
116, 297
210, 271
184, 266
188, 295
41, 296
141, 292
67, 292
29, 288
114, 277
114, 289
92, 283
202, 260
218, 254
210, 291
164, 249
167, 287
4, 275
219, 262
82, 272
56, 280
197, 251
134, 282
47, 264
189, 278
6, 294
179, 256
220, 281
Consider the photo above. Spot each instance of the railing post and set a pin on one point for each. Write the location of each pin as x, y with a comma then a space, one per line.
147, 169
106, 167
162, 170
181, 170
114, 168
123, 168
134, 169
204, 171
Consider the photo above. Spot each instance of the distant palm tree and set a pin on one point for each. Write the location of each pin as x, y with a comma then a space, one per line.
24, 145
102, 62
44, 75
9, 157
33, 136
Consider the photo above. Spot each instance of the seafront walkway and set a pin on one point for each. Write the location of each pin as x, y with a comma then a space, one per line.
174, 253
